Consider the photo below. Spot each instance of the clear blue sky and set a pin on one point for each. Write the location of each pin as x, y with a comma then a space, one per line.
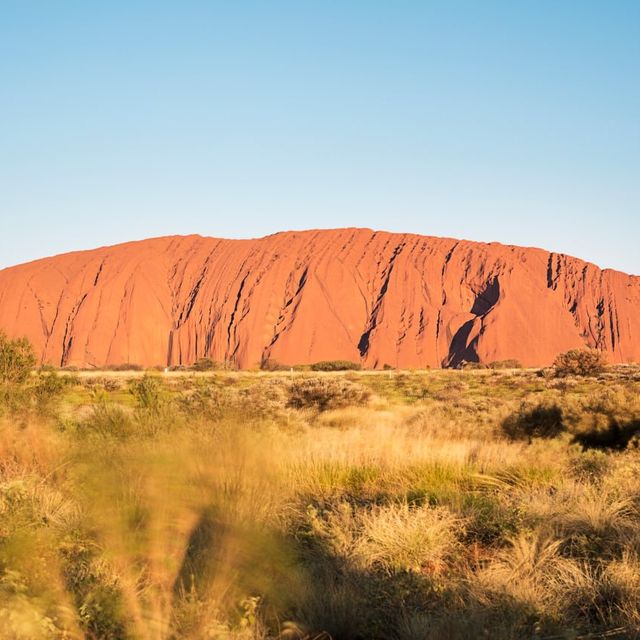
515, 121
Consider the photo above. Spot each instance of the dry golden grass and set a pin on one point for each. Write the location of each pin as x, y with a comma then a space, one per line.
212, 509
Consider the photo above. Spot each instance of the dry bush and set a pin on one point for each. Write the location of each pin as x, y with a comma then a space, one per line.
326, 393
336, 365
580, 362
597, 522
265, 399
269, 364
472, 366
107, 383
207, 401
207, 364
505, 364
216, 401
589, 465
125, 366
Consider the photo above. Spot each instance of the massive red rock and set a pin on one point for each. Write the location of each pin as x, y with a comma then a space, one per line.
300, 297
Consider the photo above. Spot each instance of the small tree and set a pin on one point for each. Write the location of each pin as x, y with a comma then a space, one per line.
17, 359
580, 362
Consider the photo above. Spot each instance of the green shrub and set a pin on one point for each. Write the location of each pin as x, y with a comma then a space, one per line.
488, 519
326, 393
544, 420
580, 362
15, 399
48, 389
336, 365
17, 359
108, 421
146, 391
95, 592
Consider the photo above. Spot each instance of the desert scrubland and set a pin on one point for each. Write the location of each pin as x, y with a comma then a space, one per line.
497, 503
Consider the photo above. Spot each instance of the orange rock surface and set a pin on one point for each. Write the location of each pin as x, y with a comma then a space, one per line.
300, 297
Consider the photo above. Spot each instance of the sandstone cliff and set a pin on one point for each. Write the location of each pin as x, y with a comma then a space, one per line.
299, 297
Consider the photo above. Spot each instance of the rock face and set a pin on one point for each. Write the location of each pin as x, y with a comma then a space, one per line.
300, 297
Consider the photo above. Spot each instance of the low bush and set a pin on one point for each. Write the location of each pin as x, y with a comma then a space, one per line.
326, 393
107, 421
147, 392
109, 384
590, 465
471, 366
336, 365
580, 362
394, 538
125, 366
263, 400
207, 401
505, 364
269, 364
17, 359
48, 389
543, 420
207, 364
